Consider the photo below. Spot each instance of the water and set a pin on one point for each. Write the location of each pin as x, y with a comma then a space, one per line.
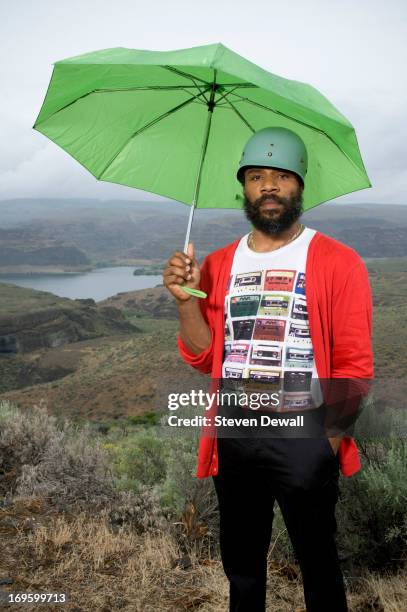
98, 284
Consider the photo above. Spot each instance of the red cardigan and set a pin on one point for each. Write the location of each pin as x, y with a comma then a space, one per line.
339, 304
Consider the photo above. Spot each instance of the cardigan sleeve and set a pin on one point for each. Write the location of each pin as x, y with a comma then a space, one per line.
201, 361
352, 354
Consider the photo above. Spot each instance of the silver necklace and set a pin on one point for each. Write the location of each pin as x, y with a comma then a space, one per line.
251, 244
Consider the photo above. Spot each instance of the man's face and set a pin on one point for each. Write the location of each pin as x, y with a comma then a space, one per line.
273, 199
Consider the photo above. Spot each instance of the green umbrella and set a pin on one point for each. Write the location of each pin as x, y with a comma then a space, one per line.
175, 123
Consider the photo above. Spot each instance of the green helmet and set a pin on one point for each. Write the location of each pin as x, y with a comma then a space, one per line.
274, 147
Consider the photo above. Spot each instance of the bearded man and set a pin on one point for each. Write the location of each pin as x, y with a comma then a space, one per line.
285, 303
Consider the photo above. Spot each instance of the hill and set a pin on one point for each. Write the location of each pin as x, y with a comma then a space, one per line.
73, 235
118, 375
31, 322
89, 359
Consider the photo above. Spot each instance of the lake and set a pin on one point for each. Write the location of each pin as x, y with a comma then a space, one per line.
98, 284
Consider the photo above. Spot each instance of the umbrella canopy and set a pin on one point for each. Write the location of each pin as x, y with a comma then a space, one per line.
140, 118
175, 123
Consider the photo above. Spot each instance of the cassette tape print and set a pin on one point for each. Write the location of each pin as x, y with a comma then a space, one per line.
274, 304
238, 352
279, 280
269, 329
298, 357
244, 305
248, 282
266, 354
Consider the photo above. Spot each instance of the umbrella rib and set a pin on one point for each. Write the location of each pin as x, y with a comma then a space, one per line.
88, 93
223, 96
145, 127
311, 127
147, 88
272, 110
240, 115
239, 85
186, 74
191, 77
155, 88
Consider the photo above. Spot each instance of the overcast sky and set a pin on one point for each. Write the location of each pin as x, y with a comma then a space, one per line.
354, 52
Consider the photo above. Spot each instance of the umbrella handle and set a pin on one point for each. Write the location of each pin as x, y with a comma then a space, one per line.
195, 292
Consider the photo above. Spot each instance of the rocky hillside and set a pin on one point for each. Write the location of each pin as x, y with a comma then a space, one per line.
30, 320
155, 303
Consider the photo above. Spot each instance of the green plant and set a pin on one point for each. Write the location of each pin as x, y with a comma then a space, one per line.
373, 508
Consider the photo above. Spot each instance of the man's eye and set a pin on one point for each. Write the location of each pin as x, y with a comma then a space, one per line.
255, 176
283, 175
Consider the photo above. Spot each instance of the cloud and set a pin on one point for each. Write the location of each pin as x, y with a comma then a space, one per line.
50, 172
353, 52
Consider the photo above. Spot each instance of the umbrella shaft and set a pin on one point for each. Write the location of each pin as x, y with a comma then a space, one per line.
198, 179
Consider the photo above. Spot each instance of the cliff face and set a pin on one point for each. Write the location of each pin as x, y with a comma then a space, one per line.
156, 303
49, 322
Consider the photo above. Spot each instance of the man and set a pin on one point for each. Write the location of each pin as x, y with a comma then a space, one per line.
284, 302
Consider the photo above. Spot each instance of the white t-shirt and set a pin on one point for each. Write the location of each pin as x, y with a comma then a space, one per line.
267, 336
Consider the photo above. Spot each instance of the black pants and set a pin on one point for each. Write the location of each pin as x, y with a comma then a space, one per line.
302, 475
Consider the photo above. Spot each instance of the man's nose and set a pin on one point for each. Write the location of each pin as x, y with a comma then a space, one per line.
269, 184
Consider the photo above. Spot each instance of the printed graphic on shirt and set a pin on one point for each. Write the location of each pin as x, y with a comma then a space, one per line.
298, 401
242, 329
299, 332
266, 376
269, 329
296, 356
244, 305
279, 280
299, 309
227, 331
267, 336
250, 281
274, 304
236, 373
300, 284
237, 352
297, 381
266, 354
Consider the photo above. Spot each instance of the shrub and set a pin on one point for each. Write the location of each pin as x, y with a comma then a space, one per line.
73, 471
190, 501
141, 512
139, 459
166, 464
373, 521
24, 437
372, 507
59, 463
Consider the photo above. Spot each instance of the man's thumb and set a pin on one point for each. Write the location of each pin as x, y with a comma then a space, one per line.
190, 250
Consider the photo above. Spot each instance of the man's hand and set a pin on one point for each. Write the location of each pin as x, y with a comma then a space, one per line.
182, 269
335, 443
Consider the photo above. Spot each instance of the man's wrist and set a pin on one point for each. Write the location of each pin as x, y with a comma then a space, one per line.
185, 305
335, 442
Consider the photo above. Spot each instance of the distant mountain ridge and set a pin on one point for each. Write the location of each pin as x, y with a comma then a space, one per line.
71, 234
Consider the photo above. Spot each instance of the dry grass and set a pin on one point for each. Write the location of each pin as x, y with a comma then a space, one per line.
101, 570
122, 570
382, 593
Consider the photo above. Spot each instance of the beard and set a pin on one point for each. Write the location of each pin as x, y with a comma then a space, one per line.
274, 223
